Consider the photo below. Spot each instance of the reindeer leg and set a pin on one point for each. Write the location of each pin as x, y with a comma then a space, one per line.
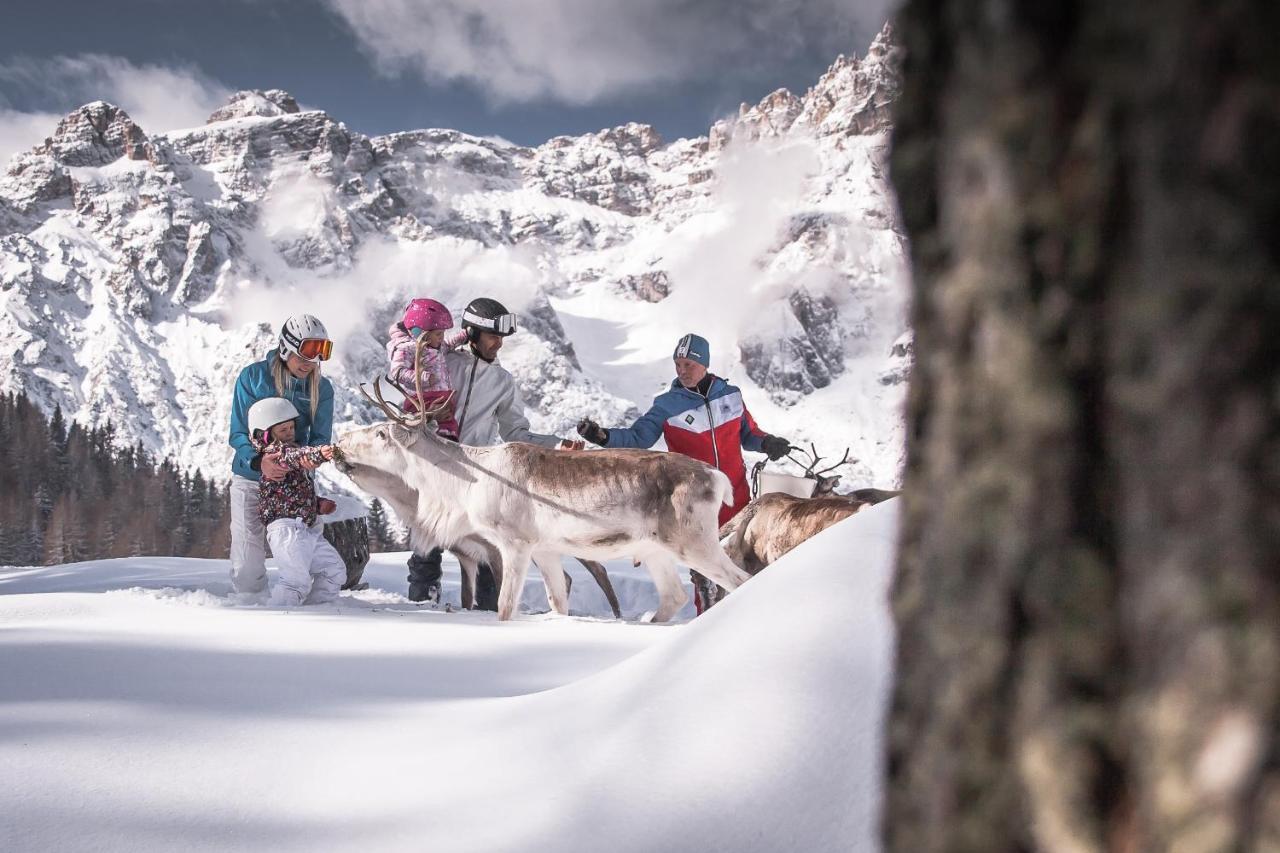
671, 594
515, 567
469, 568
553, 577
715, 564
606, 586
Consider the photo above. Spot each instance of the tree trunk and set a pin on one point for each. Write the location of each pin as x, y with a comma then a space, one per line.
350, 538
1086, 600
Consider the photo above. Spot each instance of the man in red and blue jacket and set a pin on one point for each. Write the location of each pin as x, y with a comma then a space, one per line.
704, 417
701, 416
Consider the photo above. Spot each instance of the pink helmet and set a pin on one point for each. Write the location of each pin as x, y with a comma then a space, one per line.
427, 314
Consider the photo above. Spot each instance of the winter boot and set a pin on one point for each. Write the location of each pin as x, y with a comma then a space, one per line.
486, 589
424, 576
704, 592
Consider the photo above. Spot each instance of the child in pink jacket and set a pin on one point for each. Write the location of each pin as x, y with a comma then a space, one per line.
429, 318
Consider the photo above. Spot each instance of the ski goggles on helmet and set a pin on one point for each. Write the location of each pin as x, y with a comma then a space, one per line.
503, 324
316, 349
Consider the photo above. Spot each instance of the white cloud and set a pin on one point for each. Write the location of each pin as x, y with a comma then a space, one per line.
20, 131
296, 205
386, 271
580, 51
158, 98
714, 260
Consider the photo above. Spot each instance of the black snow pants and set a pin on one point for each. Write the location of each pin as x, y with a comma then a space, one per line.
425, 574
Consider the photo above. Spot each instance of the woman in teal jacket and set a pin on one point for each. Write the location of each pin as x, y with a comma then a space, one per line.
292, 371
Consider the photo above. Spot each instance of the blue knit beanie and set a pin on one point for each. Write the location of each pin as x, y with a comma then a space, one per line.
694, 348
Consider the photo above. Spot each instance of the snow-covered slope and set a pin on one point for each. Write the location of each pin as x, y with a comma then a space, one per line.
141, 709
139, 271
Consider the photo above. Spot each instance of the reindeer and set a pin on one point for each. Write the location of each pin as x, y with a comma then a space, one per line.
774, 523
471, 551
534, 503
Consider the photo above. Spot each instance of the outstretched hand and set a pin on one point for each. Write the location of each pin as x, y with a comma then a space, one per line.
775, 447
570, 444
593, 432
324, 506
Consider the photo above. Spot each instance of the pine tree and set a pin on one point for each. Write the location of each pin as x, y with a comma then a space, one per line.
55, 542
33, 547
197, 496
378, 533
43, 502
58, 428
106, 544
10, 537
75, 541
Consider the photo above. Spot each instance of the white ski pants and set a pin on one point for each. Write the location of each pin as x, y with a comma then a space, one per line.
248, 540
308, 569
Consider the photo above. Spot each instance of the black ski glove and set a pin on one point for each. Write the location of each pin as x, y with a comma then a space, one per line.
593, 432
775, 447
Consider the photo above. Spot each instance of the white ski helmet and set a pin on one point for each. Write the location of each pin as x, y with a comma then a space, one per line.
297, 332
268, 412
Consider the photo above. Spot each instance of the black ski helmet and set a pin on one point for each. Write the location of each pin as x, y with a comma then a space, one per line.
487, 315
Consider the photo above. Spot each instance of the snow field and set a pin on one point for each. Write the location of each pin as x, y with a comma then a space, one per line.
142, 708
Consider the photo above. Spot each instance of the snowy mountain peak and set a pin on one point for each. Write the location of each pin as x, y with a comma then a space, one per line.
855, 95
96, 134
632, 138
139, 273
852, 98
256, 102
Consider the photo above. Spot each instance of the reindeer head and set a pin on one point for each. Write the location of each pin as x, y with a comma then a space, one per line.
826, 485
378, 448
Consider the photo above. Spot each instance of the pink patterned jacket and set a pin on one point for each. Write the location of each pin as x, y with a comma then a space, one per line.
400, 345
294, 496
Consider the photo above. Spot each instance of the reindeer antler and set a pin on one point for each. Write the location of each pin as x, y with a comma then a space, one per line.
844, 460
387, 408
811, 466
423, 413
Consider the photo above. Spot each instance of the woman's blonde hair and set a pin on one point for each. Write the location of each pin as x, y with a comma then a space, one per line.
280, 375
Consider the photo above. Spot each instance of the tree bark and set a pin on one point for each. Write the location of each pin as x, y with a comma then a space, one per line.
350, 538
1086, 599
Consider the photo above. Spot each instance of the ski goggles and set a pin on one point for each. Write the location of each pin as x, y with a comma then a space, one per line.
316, 349
503, 324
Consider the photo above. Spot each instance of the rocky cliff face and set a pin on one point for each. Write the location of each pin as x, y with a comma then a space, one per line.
140, 272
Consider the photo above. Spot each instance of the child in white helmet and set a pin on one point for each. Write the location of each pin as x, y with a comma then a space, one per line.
309, 570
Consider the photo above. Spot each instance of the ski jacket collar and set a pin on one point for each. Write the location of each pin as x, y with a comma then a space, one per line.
703, 388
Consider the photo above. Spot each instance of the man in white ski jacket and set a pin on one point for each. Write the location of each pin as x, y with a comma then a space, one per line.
489, 410
486, 402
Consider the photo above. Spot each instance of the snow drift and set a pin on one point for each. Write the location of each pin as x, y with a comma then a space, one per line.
158, 717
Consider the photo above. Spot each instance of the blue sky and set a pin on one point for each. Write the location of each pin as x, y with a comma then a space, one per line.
525, 70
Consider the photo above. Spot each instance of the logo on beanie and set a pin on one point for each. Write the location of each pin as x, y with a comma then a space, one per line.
694, 348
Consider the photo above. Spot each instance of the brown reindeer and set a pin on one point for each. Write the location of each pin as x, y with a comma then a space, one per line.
774, 523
